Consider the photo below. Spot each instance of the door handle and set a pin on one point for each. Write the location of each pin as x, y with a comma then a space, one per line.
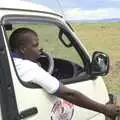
28, 112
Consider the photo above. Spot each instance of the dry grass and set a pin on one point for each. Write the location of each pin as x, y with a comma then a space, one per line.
103, 37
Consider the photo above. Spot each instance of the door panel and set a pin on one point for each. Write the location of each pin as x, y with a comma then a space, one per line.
50, 107
28, 98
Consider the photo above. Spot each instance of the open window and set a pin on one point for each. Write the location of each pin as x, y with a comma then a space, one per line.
56, 42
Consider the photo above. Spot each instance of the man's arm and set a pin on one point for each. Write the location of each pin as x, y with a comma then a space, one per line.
33, 73
81, 100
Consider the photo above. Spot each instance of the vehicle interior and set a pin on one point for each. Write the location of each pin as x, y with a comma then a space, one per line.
60, 68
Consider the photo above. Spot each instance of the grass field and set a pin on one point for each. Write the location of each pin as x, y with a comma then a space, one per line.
103, 37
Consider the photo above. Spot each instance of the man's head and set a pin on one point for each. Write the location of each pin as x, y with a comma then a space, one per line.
25, 41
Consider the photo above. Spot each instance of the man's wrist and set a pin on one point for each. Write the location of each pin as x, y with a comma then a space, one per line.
102, 109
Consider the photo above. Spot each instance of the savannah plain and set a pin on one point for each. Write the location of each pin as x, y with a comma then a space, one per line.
104, 37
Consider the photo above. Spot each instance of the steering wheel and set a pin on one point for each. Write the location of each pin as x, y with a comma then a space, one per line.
50, 62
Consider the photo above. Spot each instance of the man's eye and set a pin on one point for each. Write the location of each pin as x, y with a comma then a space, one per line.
35, 45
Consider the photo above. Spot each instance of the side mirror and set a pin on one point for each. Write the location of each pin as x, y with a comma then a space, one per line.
100, 64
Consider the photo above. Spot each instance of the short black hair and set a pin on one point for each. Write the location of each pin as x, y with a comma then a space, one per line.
19, 37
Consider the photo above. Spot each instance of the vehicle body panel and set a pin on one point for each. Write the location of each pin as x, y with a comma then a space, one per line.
37, 97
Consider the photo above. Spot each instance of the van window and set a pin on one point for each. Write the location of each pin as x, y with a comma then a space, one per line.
50, 42
57, 43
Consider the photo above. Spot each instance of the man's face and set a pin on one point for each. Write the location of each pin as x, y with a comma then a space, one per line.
30, 48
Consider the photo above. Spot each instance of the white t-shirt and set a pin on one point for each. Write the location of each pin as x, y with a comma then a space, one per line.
29, 71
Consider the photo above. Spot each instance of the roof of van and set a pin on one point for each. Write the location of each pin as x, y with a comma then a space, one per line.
24, 5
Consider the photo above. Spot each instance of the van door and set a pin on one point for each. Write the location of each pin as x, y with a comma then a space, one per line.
71, 64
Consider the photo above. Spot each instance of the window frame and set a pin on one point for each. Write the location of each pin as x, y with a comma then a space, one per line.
79, 48
8, 101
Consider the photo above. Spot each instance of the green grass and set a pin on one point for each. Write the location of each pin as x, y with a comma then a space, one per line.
103, 37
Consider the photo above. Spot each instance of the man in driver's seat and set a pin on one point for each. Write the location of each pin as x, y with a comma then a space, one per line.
24, 44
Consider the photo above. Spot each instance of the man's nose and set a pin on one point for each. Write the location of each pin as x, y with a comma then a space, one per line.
41, 50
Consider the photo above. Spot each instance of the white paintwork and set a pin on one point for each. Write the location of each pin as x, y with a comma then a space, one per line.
27, 98
20, 4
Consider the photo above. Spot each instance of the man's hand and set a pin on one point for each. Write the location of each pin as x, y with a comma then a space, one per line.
77, 98
112, 111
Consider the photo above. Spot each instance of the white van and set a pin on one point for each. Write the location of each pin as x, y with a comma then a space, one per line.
67, 59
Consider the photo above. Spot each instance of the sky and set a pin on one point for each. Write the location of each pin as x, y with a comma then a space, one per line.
84, 9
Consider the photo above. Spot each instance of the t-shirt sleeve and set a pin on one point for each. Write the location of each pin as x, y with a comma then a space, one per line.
45, 80
31, 72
